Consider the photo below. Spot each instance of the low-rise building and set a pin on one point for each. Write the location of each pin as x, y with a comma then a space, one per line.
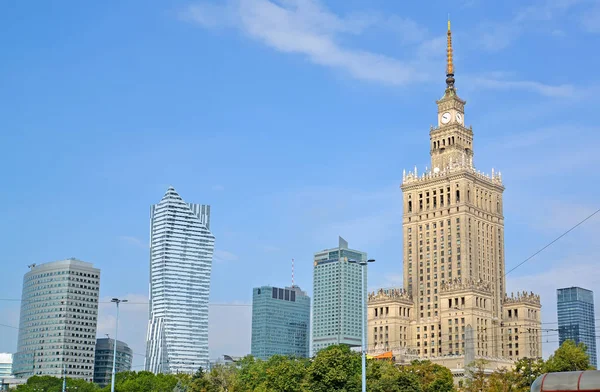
104, 360
388, 320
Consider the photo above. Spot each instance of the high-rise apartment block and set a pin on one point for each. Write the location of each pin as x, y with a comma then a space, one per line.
338, 292
453, 258
59, 315
280, 322
576, 318
104, 360
181, 252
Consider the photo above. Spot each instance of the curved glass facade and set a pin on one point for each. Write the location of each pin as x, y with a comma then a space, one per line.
104, 360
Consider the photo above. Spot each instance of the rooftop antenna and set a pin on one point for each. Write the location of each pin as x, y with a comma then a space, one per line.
292, 272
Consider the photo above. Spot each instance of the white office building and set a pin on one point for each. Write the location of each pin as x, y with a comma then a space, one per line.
5, 365
181, 252
59, 316
338, 289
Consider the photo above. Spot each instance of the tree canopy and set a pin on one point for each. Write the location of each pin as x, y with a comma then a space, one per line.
335, 368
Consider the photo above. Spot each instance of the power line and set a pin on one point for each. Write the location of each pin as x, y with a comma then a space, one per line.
552, 242
125, 303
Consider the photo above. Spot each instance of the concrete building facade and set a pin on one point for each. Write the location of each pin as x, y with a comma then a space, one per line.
453, 255
338, 295
104, 360
280, 322
59, 316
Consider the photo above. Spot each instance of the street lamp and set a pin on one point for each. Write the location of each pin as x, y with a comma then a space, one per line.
112, 381
363, 264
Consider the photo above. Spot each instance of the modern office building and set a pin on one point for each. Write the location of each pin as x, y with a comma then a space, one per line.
59, 315
576, 318
338, 293
181, 252
6, 360
104, 360
280, 322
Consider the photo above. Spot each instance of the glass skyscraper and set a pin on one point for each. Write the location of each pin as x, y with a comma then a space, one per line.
280, 322
59, 316
338, 296
576, 318
181, 252
104, 360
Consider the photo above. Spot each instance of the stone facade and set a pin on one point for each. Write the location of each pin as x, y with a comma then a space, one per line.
389, 315
454, 266
522, 337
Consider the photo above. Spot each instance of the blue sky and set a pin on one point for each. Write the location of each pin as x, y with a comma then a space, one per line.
294, 120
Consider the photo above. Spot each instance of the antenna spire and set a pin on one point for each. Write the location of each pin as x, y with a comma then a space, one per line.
449, 63
292, 272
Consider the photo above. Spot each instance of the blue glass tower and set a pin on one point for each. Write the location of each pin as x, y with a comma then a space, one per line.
280, 322
576, 318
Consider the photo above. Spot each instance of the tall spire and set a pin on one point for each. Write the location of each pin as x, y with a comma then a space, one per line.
449, 64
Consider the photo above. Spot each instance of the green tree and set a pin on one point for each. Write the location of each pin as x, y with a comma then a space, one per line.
199, 382
54, 384
222, 378
41, 383
503, 380
476, 377
383, 376
285, 374
432, 377
251, 374
568, 357
334, 368
525, 372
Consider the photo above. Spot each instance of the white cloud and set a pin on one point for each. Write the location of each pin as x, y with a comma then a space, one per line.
221, 256
562, 91
496, 36
133, 241
270, 248
305, 27
541, 152
209, 15
591, 20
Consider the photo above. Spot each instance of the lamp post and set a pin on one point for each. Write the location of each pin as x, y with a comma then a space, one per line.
117, 301
363, 264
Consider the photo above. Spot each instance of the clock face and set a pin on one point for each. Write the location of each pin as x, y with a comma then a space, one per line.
445, 118
459, 117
